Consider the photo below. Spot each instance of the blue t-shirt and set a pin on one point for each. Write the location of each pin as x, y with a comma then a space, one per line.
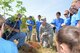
67, 21
19, 22
57, 23
30, 22
38, 23
7, 46
74, 20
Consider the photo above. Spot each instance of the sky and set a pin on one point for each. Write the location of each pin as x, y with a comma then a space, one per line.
46, 8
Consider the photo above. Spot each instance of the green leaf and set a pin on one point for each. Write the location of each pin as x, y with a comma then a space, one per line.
9, 1
6, 4
10, 9
19, 3
6, 7
23, 22
22, 10
8, 14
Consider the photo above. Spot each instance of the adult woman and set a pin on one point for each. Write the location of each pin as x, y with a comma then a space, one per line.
6, 46
68, 40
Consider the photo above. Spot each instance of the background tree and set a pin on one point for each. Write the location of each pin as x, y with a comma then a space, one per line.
6, 7
21, 9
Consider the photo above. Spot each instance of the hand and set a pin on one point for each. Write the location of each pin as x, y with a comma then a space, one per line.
31, 25
63, 24
52, 25
16, 30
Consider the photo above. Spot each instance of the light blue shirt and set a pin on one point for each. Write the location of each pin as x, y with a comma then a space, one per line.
57, 23
67, 21
78, 15
7, 46
74, 20
30, 22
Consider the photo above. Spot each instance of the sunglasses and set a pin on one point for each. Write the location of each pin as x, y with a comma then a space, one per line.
65, 14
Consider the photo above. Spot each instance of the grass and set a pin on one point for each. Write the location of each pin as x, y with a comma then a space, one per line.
47, 50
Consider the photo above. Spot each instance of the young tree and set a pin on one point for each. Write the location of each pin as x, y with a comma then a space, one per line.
6, 7
21, 9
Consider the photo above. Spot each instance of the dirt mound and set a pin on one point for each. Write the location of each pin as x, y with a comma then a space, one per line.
35, 45
30, 47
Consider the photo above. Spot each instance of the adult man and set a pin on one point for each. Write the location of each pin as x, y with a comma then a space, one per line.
38, 23
74, 19
78, 14
78, 4
46, 33
67, 20
6, 46
15, 31
30, 24
57, 22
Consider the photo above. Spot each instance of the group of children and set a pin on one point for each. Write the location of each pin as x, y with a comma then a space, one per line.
71, 18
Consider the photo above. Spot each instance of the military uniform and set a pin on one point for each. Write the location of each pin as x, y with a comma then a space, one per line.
46, 32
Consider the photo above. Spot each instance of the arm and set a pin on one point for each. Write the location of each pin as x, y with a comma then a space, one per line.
17, 30
53, 23
27, 23
63, 24
12, 29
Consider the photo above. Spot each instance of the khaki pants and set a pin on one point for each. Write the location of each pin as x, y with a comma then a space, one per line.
29, 34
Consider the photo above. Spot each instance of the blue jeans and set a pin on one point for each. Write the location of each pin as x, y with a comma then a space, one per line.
38, 37
20, 37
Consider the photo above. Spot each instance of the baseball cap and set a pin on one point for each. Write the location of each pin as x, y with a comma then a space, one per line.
43, 19
30, 16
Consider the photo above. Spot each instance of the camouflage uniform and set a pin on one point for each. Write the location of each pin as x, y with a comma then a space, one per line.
47, 34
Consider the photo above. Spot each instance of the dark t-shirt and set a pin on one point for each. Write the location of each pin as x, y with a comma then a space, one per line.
15, 24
